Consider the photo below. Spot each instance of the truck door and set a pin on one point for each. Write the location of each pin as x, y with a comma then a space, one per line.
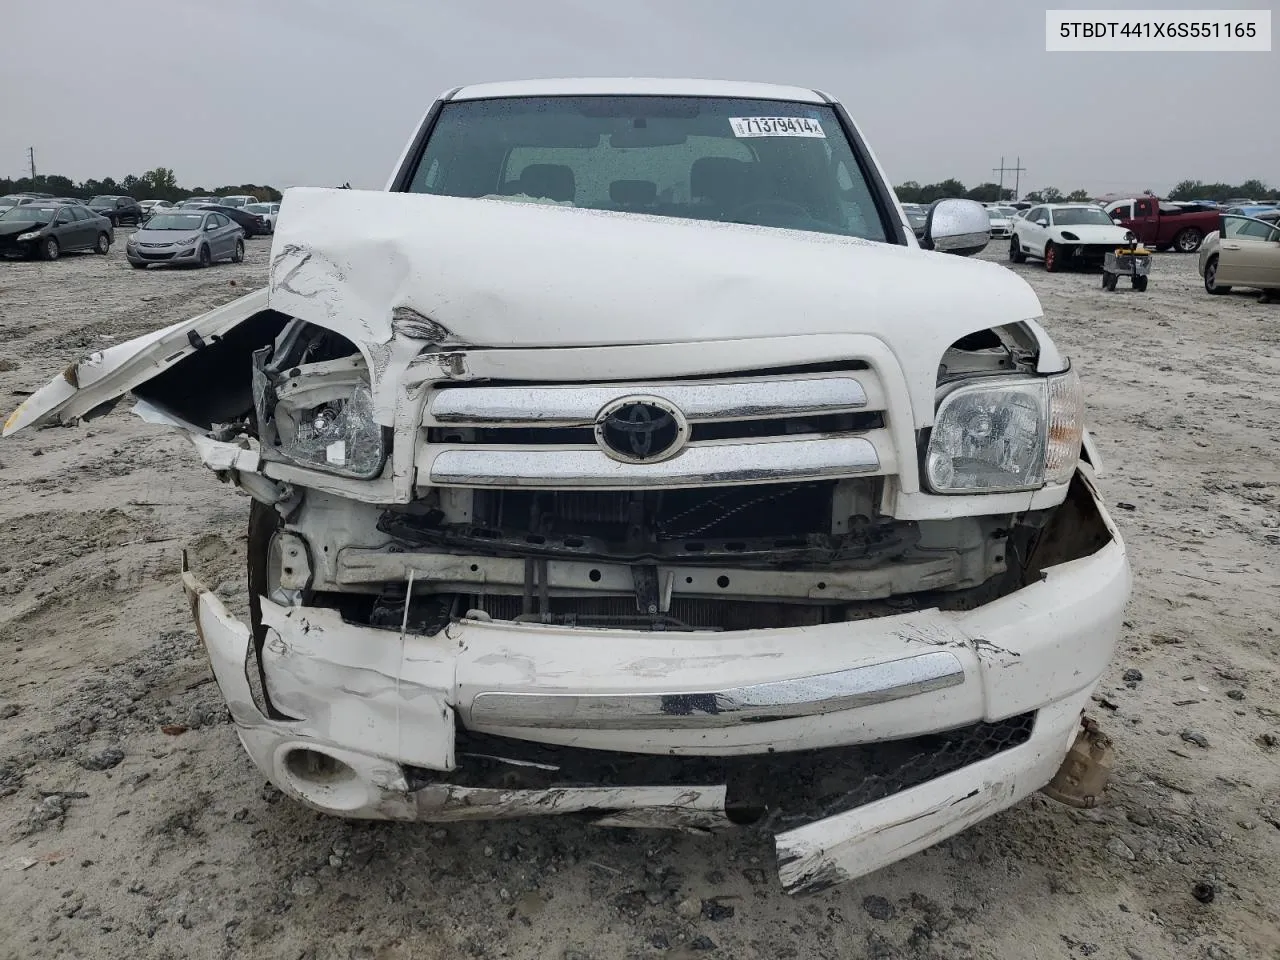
1146, 223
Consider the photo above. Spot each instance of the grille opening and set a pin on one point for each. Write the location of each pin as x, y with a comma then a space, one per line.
685, 614
786, 790
778, 511
725, 430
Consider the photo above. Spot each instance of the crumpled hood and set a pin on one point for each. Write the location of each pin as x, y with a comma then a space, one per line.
499, 273
1095, 233
10, 227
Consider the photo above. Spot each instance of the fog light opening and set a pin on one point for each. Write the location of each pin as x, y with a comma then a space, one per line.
314, 767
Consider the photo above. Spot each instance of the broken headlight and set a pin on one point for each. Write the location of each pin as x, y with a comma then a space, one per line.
320, 415
1006, 435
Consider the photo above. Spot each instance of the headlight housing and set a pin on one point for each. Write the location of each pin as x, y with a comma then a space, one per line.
26, 237
187, 242
1006, 435
320, 415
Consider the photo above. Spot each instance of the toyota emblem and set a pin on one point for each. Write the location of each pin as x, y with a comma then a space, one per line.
641, 429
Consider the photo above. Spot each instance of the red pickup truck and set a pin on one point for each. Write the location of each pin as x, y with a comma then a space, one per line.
1163, 224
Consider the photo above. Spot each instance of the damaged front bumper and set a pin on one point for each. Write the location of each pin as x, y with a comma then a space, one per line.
855, 743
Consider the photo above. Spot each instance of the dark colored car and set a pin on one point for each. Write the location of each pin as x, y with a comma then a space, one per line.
118, 209
253, 225
46, 229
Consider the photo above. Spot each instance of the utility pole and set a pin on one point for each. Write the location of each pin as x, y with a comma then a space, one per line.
1017, 169
31, 157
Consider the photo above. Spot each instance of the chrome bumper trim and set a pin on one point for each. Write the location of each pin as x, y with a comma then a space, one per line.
698, 465
578, 405
780, 700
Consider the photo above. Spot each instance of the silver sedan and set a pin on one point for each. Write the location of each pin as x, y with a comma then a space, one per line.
191, 237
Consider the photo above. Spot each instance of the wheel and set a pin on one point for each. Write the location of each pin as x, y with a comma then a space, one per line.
1211, 277
49, 249
103, 246
1188, 240
1140, 284
138, 266
204, 257
238, 256
1015, 251
1051, 262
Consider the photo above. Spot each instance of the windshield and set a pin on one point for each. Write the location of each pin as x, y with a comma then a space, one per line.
764, 162
1073, 216
1000, 213
102, 202
163, 220
258, 207
31, 213
232, 201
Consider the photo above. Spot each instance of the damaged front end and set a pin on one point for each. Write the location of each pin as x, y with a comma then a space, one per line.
659, 584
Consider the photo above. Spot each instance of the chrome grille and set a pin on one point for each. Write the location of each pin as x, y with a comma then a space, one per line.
740, 429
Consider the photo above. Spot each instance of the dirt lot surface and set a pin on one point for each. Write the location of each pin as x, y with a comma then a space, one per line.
132, 825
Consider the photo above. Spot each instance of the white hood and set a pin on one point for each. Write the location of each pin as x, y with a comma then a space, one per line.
1094, 233
499, 273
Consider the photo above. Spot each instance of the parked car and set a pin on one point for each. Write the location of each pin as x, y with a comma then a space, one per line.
1001, 218
155, 206
118, 210
917, 216
47, 229
1252, 210
242, 200
1164, 225
1244, 252
267, 211
1059, 233
70, 200
744, 510
185, 238
199, 201
252, 224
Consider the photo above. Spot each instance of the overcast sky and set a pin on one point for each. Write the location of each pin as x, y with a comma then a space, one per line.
292, 92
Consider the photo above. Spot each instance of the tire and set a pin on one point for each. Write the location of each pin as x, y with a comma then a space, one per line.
1140, 284
238, 256
1188, 240
1051, 262
49, 249
1211, 275
204, 258
1015, 251
103, 245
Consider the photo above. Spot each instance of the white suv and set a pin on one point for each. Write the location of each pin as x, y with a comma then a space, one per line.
628, 456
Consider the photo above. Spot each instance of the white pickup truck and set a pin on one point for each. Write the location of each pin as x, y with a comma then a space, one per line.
629, 457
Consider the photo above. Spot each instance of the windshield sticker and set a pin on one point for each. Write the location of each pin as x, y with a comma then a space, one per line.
776, 127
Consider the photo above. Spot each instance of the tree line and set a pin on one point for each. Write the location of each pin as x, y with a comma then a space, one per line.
157, 184
913, 192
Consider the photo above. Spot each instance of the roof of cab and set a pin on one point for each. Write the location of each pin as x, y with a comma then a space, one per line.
637, 86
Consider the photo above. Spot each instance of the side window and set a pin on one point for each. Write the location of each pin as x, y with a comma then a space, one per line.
80, 213
1124, 212
217, 220
1142, 208
1253, 229
64, 215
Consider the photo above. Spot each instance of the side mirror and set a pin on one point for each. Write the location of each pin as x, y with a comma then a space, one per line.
210, 226
1042, 222
957, 226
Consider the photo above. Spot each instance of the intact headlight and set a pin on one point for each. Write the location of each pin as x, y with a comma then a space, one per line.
24, 237
1006, 435
187, 242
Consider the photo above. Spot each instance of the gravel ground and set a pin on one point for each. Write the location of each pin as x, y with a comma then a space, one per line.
131, 823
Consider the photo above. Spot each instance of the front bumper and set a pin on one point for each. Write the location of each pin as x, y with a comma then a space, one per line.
679, 726
173, 254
